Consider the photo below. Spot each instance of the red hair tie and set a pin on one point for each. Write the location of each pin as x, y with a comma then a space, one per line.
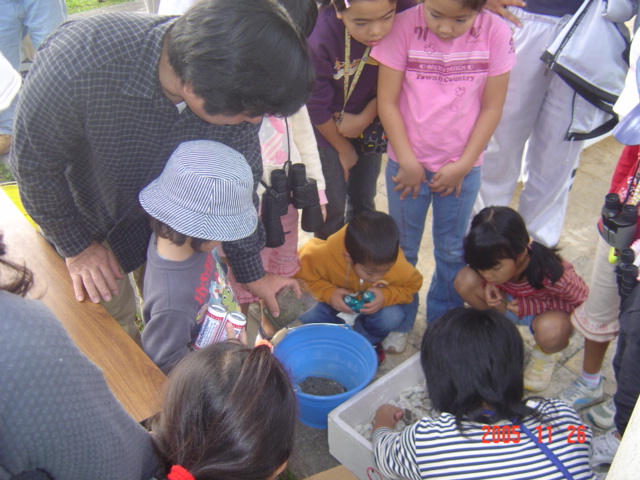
266, 343
179, 473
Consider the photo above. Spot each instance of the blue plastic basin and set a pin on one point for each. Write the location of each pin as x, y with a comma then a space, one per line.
331, 351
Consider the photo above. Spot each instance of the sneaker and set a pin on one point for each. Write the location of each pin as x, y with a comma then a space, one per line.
601, 415
380, 353
5, 144
579, 395
537, 374
396, 342
604, 448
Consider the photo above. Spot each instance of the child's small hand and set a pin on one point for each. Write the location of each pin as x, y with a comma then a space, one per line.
348, 159
231, 334
494, 298
513, 307
387, 416
337, 300
351, 125
374, 305
411, 176
448, 179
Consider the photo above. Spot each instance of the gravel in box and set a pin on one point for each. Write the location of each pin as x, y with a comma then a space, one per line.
321, 386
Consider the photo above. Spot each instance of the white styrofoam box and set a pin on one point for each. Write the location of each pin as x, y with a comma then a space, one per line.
349, 447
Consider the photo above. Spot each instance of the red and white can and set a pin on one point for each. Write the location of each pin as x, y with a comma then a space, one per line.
212, 326
238, 320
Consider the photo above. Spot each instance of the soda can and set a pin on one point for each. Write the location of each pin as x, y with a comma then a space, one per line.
238, 320
212, 326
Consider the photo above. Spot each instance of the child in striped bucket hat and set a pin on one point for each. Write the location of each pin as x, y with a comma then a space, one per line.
204, 196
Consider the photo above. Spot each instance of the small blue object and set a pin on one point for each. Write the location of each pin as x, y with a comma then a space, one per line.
368, 296
356, 302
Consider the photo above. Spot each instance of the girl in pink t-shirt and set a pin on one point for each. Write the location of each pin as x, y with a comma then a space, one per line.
444, 70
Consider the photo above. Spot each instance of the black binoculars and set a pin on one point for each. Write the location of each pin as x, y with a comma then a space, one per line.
619, 222
626, 274
293, 188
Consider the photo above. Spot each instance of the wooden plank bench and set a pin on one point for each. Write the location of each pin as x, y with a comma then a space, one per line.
133, 378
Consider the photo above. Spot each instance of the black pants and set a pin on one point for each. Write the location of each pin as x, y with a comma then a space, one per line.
626, 363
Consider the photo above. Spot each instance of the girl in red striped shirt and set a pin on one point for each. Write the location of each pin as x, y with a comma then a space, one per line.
525, 280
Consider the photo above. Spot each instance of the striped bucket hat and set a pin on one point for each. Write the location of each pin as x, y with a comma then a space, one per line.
205, 191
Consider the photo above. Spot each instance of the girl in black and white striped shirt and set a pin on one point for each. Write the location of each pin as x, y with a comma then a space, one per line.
473, 364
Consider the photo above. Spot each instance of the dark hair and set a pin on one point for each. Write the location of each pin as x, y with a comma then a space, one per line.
229, 413
499, 233
472, 356
372, 238
23, 276
475, 5
303, 13
340, 5
163, 230
242, 57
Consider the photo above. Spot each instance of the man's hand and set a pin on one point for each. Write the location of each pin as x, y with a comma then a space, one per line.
500, 7
96, 269
374, 305
268, 286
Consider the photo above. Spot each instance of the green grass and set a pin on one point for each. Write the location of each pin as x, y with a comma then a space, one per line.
5, 174
75, 6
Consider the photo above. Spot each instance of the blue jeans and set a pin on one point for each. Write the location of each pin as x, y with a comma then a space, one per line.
451, 216
373, 327
38, 18
352, 197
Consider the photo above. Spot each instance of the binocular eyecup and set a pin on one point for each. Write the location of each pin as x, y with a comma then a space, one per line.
619, 222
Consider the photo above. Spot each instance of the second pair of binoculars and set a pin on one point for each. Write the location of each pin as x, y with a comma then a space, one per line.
619, 222
626, 274
295, 188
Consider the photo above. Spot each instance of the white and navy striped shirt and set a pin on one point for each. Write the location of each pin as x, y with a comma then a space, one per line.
434, 448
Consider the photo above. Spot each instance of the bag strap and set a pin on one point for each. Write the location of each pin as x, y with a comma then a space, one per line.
348, 89
550, 455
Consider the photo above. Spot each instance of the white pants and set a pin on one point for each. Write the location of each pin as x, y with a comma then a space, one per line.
538, 109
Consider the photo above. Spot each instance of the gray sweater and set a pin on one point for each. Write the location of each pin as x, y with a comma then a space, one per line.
58, 418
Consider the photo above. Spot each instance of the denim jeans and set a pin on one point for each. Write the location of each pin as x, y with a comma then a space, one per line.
356, 196
451, 216
38, 18
373, 327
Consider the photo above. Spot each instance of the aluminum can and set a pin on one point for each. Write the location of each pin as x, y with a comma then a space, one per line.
238, 320
212, 326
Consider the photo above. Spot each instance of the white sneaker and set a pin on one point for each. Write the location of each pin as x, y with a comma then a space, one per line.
396, 342
601, 415
579, 395
604, 448
537, 374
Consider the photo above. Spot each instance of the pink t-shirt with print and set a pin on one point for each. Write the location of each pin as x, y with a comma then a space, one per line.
443, 83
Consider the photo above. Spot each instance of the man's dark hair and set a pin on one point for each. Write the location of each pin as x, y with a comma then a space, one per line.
372, 238
242, 57
472, 358
303, 13
163, 230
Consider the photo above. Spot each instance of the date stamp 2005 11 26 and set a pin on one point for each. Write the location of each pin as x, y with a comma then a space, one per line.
512, 434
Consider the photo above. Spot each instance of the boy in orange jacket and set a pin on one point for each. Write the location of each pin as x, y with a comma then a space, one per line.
362, 264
